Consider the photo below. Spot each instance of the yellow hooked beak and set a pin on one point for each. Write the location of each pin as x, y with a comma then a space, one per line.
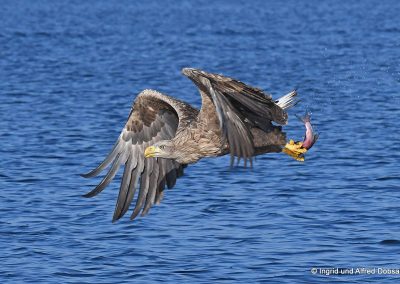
151, 151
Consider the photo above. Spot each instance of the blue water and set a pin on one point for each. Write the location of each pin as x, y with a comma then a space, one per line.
68, 75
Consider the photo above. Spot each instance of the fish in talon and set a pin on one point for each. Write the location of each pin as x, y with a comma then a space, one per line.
297, 149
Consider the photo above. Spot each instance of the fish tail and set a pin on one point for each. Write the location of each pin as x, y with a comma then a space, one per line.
306, 118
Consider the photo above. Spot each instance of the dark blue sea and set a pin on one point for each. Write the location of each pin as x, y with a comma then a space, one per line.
69, 72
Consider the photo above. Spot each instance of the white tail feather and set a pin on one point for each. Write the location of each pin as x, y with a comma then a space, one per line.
287, 101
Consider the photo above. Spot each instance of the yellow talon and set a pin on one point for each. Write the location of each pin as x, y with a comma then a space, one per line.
295, 150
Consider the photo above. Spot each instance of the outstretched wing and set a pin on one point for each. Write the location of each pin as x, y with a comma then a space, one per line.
239, 108
153, 117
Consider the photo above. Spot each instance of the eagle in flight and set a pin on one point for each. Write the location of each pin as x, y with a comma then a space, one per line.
163, 135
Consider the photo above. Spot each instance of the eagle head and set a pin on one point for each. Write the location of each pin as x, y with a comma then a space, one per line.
161, 149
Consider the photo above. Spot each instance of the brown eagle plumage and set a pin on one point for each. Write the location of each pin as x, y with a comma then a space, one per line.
163, 135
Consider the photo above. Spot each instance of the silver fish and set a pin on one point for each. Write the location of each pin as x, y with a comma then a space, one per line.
310, 137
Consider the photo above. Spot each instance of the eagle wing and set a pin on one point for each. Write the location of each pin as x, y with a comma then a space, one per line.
239, 108
153, 117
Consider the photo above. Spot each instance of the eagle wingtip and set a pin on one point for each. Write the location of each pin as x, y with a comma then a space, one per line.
86, 195
86, 175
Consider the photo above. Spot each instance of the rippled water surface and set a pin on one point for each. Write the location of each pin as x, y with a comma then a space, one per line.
69, 72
